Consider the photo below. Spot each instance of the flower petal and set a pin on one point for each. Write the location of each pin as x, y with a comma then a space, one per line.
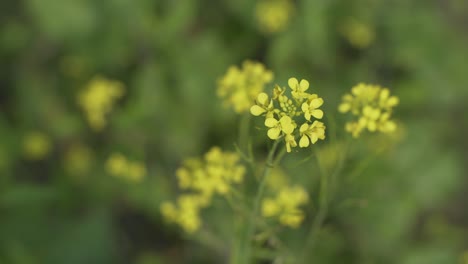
304, 85
344, 107
274, 133
305, 107
316, 103
317, 113
257, 110
262, 98
392, 101
313, 137
271, 122
293, 83
304, 142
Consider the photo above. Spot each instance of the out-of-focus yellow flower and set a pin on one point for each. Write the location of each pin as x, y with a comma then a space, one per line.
136, 171
117, 165
283, 111
358, 34
214, 174
36, 145
239, 87
273, 15
373, 106
186, 212
98, 99
78, 159
285, 206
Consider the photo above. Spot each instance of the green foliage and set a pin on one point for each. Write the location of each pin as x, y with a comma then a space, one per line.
405, 204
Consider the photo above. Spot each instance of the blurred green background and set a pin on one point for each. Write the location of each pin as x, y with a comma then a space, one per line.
60, 205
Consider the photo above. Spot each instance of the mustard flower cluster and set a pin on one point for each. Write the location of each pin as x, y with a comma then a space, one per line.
273, 15
358, 34
117, 165
239, 86
36, 145
373, 106
285, 205
98, 99
283, 112
202, 179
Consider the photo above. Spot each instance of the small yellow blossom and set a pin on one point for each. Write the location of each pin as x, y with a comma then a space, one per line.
203, 178
358, 34
298, 88
117, 165
373, 106
311, 133
214, 174
290, 142
36, 146
98, 99
240, 87
185, 213
310, 108
273, 15
263, 105
284, 111
277, 127
136, 171
285, 206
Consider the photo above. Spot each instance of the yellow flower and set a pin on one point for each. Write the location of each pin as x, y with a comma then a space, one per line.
263, 105
239, 87
204, 178
311, 133
117, 165
136, 171
290, 142
273, 15
185, 213
284, 111
373, 106
284, 125
358, 34
285, 205
270, 207
310, 108
98, 99
298, 88
36, 146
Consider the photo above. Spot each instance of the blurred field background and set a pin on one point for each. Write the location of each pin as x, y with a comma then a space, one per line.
58, 204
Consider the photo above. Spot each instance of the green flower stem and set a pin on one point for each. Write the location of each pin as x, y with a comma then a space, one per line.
324, 197
318, 220
247, 247
244, 129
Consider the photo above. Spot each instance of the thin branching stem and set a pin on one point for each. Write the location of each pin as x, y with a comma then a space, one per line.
247, 246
